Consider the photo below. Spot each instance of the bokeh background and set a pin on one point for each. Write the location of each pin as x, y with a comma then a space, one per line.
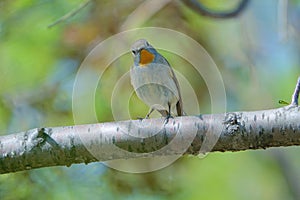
257, 53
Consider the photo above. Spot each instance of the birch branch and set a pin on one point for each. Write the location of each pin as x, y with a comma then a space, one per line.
236, 131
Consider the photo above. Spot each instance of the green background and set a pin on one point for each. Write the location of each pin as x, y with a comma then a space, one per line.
257, 54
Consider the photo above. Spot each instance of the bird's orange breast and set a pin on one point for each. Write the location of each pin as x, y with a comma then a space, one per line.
146, 57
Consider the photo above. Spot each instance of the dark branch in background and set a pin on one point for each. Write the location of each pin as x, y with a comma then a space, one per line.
192, 4
199, 8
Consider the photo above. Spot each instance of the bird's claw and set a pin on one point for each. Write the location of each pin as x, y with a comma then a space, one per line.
167, 118
142, 118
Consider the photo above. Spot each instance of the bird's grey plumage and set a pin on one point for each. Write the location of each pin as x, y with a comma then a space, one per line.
155, 83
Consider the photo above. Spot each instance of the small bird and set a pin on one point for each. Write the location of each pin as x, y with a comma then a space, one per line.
154, 80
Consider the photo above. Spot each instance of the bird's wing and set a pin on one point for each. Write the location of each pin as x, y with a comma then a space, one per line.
179, 106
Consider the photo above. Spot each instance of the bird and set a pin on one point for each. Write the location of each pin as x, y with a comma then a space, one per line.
154, 80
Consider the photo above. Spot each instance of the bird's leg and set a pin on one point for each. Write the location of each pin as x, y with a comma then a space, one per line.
169, 114
149, 113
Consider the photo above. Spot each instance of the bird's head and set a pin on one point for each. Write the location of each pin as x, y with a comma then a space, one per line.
143, 52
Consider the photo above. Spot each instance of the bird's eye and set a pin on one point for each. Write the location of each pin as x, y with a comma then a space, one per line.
134, 52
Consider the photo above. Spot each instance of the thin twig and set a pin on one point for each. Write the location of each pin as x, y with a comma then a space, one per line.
296, 93
70, 14
198, 7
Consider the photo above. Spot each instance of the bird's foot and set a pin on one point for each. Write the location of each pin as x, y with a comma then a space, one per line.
142, 118
168, 117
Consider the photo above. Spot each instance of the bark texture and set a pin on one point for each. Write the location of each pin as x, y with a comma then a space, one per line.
63, 146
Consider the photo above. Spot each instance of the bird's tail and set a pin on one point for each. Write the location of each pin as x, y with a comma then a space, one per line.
179, 108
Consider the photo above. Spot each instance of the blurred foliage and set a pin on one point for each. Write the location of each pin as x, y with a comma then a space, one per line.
256, 55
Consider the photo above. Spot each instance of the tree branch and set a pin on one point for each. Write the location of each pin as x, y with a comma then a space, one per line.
202, 10
236, 131
70, 14
296, 93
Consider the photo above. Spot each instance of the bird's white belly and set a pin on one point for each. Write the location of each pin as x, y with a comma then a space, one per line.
154, 85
